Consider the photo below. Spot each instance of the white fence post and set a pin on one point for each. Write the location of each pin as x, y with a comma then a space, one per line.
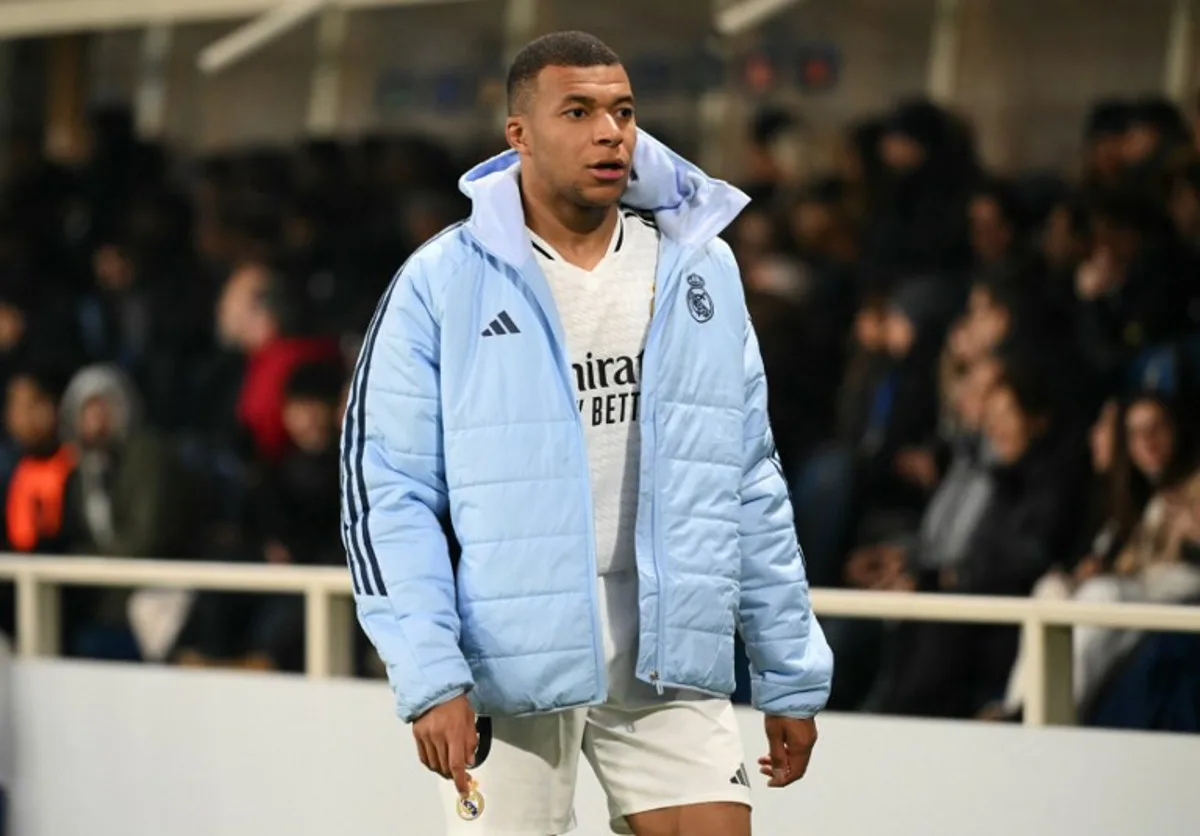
328, 634
37, 616
1177, 65
325, 95
1049, 699
942, 73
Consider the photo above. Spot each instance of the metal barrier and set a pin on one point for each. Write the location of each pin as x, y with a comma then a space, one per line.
1046, 625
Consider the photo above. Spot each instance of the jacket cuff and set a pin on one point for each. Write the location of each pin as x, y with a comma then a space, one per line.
456, 679
779, 700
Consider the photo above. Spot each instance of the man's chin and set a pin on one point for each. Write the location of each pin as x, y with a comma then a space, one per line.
601, 196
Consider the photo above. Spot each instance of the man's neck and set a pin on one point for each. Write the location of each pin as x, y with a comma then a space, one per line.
581, 235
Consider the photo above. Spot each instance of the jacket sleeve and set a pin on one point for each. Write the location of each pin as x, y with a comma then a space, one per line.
394, 502
791, 665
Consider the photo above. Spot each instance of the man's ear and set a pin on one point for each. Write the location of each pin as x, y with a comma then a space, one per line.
514, 132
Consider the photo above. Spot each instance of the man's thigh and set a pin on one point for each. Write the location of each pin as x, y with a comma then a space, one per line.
527, 779
722, 819
659, 764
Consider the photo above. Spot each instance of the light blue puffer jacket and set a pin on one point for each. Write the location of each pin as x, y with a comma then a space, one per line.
467, 514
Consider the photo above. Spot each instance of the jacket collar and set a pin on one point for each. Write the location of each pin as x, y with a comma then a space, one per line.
690, 207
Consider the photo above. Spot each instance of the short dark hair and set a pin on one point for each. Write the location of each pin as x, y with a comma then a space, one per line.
558, 49
1029, 383
50, 382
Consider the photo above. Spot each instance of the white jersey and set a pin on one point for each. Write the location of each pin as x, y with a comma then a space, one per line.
605, 314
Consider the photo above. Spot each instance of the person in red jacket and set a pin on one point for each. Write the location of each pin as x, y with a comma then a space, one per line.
258, 314
35, 492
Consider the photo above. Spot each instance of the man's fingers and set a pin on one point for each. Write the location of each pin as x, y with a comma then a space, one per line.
798, 757
458, 771
801, 738
443, 756
427, 754
777, 754
470, 746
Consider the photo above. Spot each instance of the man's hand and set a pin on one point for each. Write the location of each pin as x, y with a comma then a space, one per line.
446, 741
791, 743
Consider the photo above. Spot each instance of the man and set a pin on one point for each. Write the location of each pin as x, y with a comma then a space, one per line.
560, 492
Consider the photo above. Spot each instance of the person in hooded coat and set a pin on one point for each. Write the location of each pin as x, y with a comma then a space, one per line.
127, 497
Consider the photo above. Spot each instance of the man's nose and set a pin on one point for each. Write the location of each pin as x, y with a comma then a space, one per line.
608, 132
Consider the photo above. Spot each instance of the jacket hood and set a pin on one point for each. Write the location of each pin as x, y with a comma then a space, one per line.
104, 381
690, 207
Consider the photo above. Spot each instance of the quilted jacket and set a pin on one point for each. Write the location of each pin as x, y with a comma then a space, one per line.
467, 514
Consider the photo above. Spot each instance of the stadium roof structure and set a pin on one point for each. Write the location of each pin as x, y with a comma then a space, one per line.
28, 18
31, 18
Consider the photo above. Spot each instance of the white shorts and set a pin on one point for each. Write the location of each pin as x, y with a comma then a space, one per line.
648, 751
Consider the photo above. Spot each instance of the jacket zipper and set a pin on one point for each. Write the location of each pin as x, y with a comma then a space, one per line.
649, 375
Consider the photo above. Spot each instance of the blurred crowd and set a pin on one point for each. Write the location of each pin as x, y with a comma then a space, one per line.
979, 384
986, 385
176, 338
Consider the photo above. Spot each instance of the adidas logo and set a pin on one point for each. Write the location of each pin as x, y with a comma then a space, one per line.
740, 777
501, 325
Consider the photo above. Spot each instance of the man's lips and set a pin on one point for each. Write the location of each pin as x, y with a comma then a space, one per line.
609, 170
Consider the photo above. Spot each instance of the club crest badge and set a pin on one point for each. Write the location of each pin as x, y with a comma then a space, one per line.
470, 807
699, 302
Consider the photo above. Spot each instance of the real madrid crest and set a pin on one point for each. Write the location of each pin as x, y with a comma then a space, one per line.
470, 807
699, 303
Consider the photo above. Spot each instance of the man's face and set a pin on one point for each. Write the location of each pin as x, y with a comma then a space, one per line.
901, 153
576, 133
238, 311
991, 235
95, 423
30, 416
309, 423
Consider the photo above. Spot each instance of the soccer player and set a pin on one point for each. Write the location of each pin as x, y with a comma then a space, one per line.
561, 495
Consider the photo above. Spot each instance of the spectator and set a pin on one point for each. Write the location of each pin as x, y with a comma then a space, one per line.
1156, 562
904, 409
37, 487
259, 316
1130, 286
953, 670
919, 225
297, 501
1156, 137
997, 226
916, 559
295, 522
127, 496
1104, 144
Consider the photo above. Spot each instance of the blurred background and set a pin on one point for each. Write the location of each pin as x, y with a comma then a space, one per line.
972, 257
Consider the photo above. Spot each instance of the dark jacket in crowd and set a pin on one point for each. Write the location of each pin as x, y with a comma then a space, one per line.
297, 507
919, 226
953, 670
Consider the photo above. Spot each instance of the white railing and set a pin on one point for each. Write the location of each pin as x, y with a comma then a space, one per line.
1046, 625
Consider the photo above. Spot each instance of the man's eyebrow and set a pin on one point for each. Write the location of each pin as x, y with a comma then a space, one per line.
590, 101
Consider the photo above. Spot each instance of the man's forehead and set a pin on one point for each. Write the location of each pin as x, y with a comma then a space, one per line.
599, 82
